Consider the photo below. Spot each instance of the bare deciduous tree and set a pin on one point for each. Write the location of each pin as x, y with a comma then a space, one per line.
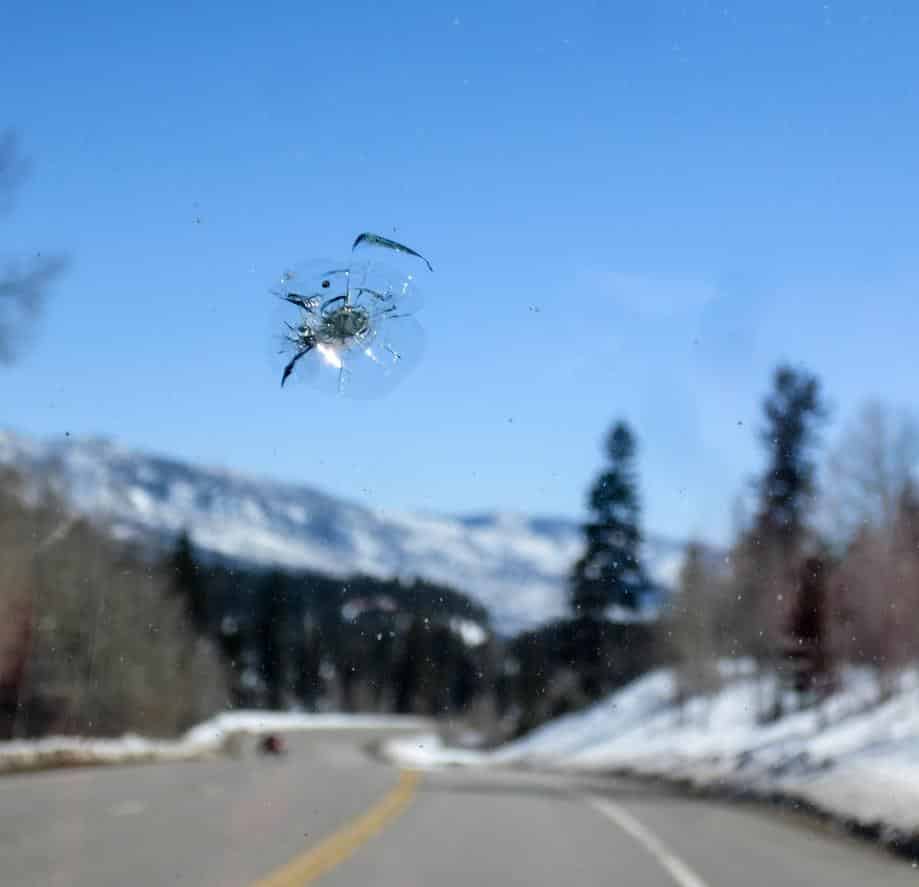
690, 626
875, 512
91, 641
868, 469
23, 283
876, 592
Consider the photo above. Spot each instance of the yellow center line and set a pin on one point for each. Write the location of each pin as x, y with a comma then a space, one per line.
337, 847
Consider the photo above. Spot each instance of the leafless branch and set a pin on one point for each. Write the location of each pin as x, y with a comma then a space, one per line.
874, 461
13, 169
23, 284
23, 290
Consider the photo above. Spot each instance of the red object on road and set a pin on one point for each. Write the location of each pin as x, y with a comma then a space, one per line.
272, 744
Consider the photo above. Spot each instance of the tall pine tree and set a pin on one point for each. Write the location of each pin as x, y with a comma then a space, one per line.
271, 635
775, 546
793, 411
610, 571
189, 582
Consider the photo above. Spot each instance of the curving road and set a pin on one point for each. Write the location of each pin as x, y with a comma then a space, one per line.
329, 813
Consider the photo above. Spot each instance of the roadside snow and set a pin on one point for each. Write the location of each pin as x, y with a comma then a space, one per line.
852, 758
208, 738
426, 751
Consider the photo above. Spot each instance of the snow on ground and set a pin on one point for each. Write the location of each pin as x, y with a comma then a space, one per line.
205, 739
852, 758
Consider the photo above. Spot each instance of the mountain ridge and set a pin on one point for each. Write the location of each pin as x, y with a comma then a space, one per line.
512, 563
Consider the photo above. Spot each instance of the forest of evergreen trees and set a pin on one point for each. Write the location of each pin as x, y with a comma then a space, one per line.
823, 570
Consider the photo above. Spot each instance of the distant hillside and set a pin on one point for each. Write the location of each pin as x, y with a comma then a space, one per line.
515, 565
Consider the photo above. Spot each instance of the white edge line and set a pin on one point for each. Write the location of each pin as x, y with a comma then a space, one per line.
678, 870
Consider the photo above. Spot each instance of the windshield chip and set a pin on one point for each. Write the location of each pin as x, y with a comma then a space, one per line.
354, 330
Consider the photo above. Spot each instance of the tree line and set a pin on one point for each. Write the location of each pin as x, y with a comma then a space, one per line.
92, 640
101, 637
311, 641
822, 573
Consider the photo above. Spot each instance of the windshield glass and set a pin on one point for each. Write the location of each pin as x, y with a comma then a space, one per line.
471, 442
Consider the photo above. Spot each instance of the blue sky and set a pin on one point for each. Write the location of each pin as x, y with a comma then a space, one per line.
688, 193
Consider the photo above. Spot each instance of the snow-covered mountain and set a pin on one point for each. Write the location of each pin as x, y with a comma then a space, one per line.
514, 565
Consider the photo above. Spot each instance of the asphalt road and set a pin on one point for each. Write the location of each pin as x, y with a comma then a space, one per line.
328, 813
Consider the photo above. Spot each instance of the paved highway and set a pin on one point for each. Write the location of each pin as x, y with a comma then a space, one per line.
329, 813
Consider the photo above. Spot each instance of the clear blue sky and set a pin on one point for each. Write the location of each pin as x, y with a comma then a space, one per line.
667, 182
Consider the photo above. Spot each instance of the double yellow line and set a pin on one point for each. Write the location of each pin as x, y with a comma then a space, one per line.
337, 847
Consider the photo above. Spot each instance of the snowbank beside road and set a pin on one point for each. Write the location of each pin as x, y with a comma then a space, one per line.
208, 738
851, 758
